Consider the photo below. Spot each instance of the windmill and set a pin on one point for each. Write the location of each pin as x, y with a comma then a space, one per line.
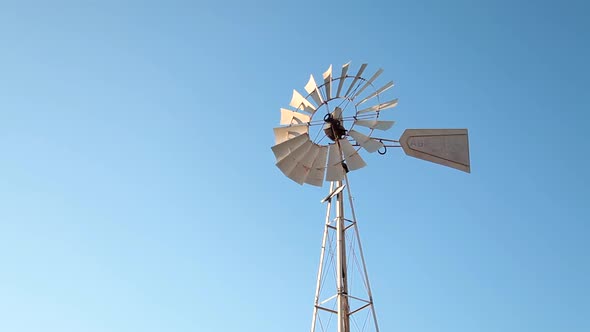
319, 141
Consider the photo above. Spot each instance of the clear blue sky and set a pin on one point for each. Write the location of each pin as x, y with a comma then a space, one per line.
139, 192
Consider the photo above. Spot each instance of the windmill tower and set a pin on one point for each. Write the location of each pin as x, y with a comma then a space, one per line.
319, 140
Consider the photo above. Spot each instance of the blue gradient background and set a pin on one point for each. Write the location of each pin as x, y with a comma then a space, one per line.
139, 192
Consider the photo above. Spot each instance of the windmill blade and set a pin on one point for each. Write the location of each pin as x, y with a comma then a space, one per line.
301, 170
369, 82
335, 171
356, 78
283, 149
289, 117
312, 88
342, 78
448, 147
351, 155
300, 103
368, 143
285, 133
380, 90
375, 124
380, 107
318, 168
328, 82
289, 162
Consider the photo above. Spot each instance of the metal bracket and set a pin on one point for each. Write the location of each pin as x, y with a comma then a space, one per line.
333, 193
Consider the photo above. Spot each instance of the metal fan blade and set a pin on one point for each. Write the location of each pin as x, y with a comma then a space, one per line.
289, 117
351, 155
289, 162
380, 107
380, 90
356, 78
300, 103
368, 143
328, 81
318, 168
335, 171
285, 133
312, 88
369, 82
283, 149
342, 79
448, 147
300, 172
375, 124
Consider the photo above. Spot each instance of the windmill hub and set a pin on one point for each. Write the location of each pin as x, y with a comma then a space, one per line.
333, 128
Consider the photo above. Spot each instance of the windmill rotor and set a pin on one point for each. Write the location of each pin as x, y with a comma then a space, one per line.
334, 126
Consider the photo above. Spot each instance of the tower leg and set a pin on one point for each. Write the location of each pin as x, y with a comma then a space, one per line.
316, 301
341, 269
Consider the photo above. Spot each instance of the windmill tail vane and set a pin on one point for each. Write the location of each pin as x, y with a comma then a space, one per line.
319, 140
